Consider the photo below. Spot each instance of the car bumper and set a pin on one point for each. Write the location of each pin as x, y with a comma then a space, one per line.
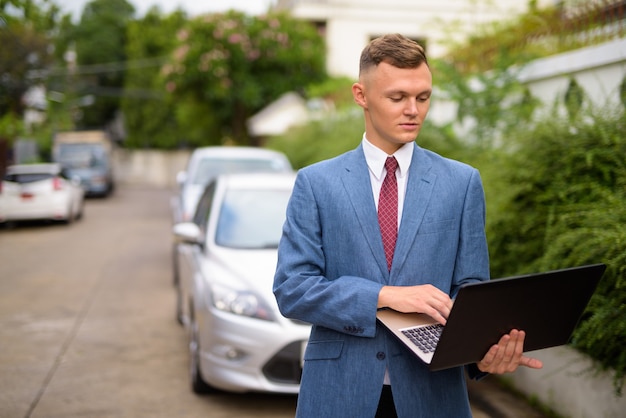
96, 188
241, 354
17, 209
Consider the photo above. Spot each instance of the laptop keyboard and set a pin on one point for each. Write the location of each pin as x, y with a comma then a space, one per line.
424, 337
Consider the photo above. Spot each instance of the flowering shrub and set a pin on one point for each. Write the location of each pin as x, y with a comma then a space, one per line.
237, 64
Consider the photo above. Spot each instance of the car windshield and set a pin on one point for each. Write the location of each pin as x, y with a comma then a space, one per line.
82, 155
23, 178
209, 168
252, 219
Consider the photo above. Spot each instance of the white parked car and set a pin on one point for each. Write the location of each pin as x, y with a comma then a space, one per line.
206, 163
238, 340
40, 192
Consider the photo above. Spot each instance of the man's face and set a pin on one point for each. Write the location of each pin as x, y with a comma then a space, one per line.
395, 101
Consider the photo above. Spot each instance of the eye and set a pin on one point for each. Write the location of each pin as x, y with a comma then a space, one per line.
396, 99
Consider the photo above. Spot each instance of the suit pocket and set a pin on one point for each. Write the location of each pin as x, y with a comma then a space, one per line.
438, 226
323, 350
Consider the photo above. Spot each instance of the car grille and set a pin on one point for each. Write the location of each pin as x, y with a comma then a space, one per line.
284, 367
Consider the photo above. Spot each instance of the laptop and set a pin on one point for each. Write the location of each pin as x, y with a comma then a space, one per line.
547, 306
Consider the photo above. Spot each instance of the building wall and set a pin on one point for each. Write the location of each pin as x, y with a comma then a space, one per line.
599, 70
351, 24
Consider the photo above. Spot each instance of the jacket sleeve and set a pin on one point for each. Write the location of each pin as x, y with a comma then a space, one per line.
472, 258
303, 291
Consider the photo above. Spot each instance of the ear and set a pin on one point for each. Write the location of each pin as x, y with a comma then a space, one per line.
358, 93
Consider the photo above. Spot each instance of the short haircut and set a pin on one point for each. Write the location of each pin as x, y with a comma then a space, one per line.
394, 49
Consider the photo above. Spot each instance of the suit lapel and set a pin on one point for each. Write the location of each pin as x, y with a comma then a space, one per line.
421, 181
419, 190
356, 181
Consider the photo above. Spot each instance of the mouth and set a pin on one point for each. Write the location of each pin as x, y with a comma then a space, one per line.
409, 126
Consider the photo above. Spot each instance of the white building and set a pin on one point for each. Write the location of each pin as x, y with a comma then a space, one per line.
349, 25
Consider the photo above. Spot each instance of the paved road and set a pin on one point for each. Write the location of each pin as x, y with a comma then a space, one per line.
87, 324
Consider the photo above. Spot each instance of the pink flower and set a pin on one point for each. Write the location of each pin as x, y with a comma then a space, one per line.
167, 69
283, 38
181, 52
254, 54
183, 34
235, 38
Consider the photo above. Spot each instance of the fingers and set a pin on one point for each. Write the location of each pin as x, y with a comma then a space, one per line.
530, 362
426, 299
435, 304
507, 355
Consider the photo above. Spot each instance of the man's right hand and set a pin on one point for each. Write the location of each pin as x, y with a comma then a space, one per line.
425, 299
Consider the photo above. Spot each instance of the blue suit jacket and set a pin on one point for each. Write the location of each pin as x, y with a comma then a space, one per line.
331, 267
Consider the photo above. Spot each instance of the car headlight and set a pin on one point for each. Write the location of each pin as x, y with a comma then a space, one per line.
240, 302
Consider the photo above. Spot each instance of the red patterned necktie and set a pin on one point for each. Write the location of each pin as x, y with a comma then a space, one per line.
388, 209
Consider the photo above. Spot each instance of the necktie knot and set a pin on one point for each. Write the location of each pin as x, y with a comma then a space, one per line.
391, 165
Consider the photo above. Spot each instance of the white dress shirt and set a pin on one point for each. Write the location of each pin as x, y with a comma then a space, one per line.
375, 158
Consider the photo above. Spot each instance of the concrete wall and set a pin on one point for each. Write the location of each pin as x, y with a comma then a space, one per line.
569, 385
149, 167
599, 70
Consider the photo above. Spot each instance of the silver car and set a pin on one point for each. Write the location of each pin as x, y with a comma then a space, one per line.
226, 258
206, 163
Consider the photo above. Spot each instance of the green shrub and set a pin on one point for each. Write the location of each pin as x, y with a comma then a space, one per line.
563, 204
323, 139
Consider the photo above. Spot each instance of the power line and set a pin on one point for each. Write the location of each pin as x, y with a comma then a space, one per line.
97, 68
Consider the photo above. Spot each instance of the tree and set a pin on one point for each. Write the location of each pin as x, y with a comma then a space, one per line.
492, 103
25, 32
228, 66
100, 38
149, 115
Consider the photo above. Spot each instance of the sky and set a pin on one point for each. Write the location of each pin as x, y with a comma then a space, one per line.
192, 7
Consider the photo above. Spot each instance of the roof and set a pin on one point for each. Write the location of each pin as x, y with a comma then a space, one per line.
275, 119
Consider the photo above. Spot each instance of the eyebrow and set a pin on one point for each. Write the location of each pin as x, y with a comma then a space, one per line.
405, 93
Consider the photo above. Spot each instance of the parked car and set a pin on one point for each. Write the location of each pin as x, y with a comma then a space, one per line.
40, 191
206, 163
89, 156
238, 340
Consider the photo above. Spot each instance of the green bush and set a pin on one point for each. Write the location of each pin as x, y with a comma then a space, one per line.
561, 202
327, 138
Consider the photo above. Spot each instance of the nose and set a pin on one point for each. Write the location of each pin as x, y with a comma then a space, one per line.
411, 108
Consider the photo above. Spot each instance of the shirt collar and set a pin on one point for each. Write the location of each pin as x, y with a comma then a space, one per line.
376, 158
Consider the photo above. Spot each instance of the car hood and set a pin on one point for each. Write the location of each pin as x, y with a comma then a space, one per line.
244, 269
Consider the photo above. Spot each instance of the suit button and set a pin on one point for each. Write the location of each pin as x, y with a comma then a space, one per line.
380, 355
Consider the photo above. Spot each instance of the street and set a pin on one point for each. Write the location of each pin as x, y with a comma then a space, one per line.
87, 323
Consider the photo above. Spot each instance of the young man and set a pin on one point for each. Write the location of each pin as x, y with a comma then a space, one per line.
335, 269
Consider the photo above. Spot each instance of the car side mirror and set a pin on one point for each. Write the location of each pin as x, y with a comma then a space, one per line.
188, 233
181, 178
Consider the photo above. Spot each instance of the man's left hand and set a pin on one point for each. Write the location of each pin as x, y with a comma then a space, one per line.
507, 355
